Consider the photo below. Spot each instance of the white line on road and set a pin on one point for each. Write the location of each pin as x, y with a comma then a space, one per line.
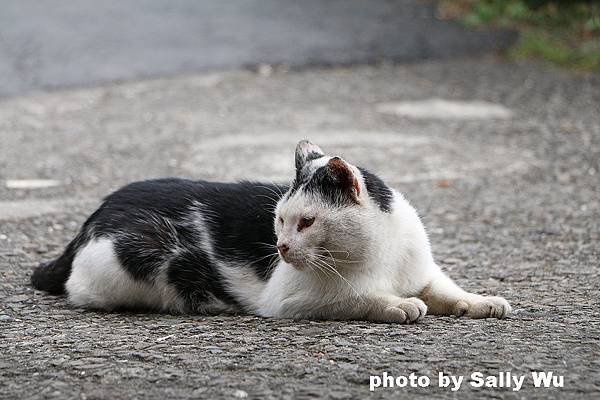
445, 109
31, 183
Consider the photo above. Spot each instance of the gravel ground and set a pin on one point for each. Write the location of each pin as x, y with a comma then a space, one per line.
511, 205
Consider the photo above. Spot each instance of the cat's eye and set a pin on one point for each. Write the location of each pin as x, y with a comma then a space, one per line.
281, 220
305, 223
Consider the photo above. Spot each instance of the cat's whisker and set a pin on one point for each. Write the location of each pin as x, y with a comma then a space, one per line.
346, 260
334, 251
273, 199
267, 245
273, 264
319, 269
264, 257
334, 270
313, 269
270, 189
276, 196
331, 255
337, 260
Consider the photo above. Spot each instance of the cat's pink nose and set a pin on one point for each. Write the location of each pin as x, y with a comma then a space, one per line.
283, 249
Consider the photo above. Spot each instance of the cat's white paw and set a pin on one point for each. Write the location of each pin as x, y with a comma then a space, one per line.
406, 311
482, 307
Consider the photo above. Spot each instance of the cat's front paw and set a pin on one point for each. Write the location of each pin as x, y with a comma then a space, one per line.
482, 307
404, 311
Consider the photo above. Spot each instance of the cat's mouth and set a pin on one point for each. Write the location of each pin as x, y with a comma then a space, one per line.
296, 264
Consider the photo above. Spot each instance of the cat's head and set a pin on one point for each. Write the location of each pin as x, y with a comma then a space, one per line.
326, 218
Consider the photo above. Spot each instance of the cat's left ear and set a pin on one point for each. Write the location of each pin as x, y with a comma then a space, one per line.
305, 152
344, 177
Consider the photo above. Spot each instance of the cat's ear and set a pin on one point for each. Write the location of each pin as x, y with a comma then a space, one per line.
344, 177
305, 152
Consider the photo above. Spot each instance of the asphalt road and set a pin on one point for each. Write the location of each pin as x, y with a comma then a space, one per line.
511, 204
53, 44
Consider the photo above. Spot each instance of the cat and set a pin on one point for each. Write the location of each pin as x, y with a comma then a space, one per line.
337, 243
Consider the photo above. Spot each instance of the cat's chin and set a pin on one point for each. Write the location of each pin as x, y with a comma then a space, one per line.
295, 265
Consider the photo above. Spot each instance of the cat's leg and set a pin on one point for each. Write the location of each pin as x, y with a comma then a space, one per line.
98, 280
444, 297
389, 308
376, 308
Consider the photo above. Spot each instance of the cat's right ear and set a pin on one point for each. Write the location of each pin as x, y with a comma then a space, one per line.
305, 152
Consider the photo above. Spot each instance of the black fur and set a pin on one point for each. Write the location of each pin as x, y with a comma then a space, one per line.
378, 191
149, 223
301, 161
326, 185
196, 279
51, 276
303, 155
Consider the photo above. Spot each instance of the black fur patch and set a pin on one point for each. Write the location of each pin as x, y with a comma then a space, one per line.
52, 276
196, 279
325, 184
241, 222
378, 191
304, 156
313, 155
302, 177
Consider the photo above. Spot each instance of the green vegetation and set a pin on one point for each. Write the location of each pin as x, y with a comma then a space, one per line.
565, 32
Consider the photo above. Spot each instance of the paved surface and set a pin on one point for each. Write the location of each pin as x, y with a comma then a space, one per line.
511, 204
61, 43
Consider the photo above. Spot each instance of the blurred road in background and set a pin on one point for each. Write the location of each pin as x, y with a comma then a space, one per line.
54, 44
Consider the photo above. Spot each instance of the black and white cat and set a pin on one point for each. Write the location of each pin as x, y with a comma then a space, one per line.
335, 244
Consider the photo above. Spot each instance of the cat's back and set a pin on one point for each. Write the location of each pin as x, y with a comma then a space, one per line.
169, 197
173, 199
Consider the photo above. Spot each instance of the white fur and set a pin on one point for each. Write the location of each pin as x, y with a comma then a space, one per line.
395, 267
397, 262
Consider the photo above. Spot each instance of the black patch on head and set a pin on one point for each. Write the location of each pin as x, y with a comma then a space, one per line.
378, 191
302, 177
313, 155
303, 174
301, 161
325, 184
306, 152
331, 184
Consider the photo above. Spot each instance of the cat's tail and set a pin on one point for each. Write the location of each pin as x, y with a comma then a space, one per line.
51, 276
